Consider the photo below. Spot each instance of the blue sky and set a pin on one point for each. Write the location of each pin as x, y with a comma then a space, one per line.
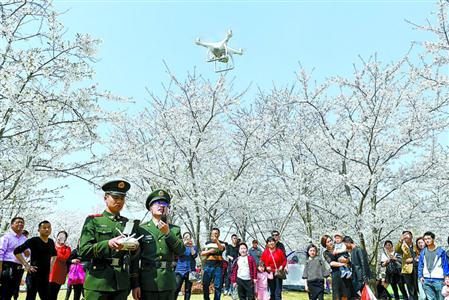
325, 35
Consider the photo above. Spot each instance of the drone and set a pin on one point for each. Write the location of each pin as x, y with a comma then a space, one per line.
220, 54
128, 241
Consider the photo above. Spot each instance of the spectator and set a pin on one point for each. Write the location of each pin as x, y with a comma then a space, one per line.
244, 274
314, 274
262, 282
59, 271
341, 287
408, 251
420, 245
360, 267
186, 264
25, 233
277, 237
274, 259
213, 264
392, 263
255, 251
43, 256
432, 267
11, 270
75, 278
232, 251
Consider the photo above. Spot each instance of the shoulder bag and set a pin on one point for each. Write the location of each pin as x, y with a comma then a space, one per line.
279, 273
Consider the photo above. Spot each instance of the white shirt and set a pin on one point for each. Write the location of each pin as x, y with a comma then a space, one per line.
243, 268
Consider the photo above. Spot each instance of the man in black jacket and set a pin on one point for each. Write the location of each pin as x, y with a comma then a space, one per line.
360, 267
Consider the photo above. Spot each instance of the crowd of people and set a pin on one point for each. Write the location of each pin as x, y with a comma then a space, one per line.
249, 272
418, 268
47, 263
152, 260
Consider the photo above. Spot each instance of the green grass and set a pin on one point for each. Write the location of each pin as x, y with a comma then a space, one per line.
286, 295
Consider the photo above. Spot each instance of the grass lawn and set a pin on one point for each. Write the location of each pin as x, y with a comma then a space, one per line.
286, 295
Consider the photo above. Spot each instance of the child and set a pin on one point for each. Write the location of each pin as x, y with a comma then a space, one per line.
341, 253
314, 274
445, 290
262, 282
244, 273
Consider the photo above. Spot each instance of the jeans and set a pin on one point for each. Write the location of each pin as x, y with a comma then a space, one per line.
316, 289
212, 273
10, 279
54, 290
77, 291
180, 279
275, 286
410, 282
37, 283
245, 289
433, 289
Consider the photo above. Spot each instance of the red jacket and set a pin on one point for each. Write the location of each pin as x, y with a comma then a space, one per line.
279, 257
59, 271
252, 268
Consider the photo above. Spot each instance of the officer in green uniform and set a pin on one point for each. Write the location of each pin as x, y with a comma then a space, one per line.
152, 272
101, 244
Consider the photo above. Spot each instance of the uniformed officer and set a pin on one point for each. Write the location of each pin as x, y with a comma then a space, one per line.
100, 243
152, 272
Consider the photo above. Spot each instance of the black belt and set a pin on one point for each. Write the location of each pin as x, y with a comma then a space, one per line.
12, 265
158, 265
114, 262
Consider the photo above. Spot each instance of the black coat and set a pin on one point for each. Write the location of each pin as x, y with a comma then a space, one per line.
360, 268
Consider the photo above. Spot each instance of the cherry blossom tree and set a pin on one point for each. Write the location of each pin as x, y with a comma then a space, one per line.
49, 106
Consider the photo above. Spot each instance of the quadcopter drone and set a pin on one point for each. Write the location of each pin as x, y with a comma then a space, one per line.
220, 53
128, 241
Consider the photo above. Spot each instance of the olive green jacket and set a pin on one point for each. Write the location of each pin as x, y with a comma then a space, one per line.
403, 249
97, 231
156, 247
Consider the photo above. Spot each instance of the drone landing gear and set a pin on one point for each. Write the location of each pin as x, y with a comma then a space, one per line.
222, 61
219, 67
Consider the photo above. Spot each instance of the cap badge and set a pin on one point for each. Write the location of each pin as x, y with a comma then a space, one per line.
121, 185
161, 193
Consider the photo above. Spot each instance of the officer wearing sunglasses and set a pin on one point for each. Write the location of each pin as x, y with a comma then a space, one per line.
153, 270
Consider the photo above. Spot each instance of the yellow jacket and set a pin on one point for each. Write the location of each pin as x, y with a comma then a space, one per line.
404, 250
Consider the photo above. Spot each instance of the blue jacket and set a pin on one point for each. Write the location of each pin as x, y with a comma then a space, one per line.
186, 262
440, 266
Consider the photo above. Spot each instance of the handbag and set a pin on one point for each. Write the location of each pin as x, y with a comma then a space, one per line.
393, 267
76, 274
194, 276
279, 273
367, 293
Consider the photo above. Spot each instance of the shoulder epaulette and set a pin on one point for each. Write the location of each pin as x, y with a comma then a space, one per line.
95, 215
